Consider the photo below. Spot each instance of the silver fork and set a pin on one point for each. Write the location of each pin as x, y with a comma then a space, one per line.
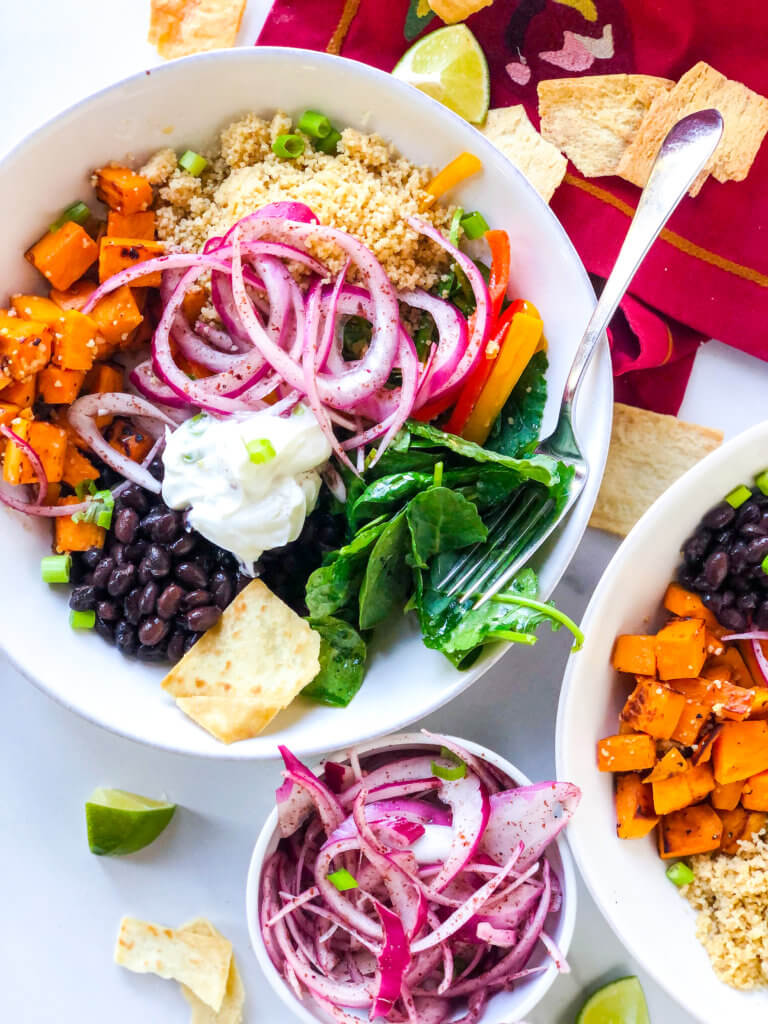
520, 527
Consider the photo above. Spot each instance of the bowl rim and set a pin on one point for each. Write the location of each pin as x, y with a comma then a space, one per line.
539, 985
627, 550
492, 156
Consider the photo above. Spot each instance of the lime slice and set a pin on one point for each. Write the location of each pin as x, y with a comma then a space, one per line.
450, 66
621, 1002
120, 822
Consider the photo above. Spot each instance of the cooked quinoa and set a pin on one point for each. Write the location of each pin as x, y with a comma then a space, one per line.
367, 189
731, 896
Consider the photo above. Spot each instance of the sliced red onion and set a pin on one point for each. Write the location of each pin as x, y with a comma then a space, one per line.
173, 261
328, 807
533, 815
37, 466
393, 962
145, 380
404, 771
337, 776
551, 947
470, 806
293, 904
453, 338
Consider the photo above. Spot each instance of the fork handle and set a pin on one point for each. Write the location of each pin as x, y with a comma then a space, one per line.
683, 154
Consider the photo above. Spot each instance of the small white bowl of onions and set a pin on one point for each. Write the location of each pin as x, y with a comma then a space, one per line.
417, 878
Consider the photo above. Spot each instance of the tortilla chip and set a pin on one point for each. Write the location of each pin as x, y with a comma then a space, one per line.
230, 719
180, 27
745, 114
201, 962
593, 119
231, 1011
509, 129
648, 453
451, 11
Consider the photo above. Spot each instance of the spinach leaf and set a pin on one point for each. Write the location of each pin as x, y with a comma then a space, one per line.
516, 431
387, 580
442, 520
389, 493
342, 663
493, 484
403, 460
337, 583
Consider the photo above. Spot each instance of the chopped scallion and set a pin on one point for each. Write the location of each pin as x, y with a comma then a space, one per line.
192, 163
679, 874
288, 146
82, 620
260, 450
474, 225
104, 518
764, 565
315, 124
455, 228
330, 143
85, 487
342, 880
457, 771
78, 212
761, 482
55, 568
738, 496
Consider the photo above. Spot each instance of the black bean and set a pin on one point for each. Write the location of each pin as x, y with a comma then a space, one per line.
121, 580
732, 618
202, 618
164, 527
757, 549
151, 653
176, 646
147, 523
125, 637
723, 538
83, 598
225, 560
746, 602
737, 556
148, 598
157, 561
761, 618
750, 530
92, 557
125, 525
103, 571
190, 640
134, 497
727, 598
222, 588
156, 468
716, 568
105, 629
117, 551
153, 631
749, 512
136, 551
183, 545
169, 602
191, 575
131, 606
196, 598
108, 611
719, 516
713, 601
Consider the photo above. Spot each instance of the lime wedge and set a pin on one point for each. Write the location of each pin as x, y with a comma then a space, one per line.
120, 822
620, 1002
450, 66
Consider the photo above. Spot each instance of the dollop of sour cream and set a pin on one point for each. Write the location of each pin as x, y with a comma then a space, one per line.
248, 481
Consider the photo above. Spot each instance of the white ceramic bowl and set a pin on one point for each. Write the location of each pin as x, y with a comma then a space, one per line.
183, 104
626, 877
503, 1006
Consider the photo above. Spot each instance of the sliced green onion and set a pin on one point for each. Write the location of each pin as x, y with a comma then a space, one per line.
192, 163
453, 230
342, 880
85, 487
330, 143
474, 225
438, 476
546, 609
260, 450
104, 518
764, 565
679, 874
738, 496
82, 620
761, 482
78, 212
288, 146
457, 771
315, 124
55, 568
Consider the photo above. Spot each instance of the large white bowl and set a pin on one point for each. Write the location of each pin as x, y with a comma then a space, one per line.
183, 104
626, 877
502, 1006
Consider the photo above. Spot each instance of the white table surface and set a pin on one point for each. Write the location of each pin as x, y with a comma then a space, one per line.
61, 905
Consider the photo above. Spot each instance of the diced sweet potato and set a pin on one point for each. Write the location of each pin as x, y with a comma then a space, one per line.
122, 189
131, 225
116, 254
715, 645
687, 605
59, 387
63, 255
727, 700
77, 468
49, 443
635, 816
13, 454
754, 795
117, 315
21, 392
76, 344
759, 702
691, 830
739, 825
682, 790
725, 798
127, 441
702, 748
103, 378
36, 307
745, 649
635, 654
8, 412
72, 536
690, 722
732, 659
653, 708
673, 763
74, 297
741, 750
632, 752
681, 649
25, 346
192, 304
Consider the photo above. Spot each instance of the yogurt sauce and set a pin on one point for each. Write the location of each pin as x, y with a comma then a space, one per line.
249, 481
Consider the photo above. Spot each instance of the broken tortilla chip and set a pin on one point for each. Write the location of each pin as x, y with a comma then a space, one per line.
593, 119
180, 27
201, 962
231, 1010
648, 452
745, 116
509, 129
230, 719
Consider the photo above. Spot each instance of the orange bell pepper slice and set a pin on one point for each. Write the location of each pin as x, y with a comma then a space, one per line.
464, 166
498, 243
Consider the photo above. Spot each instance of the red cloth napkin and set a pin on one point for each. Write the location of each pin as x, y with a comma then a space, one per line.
708, 274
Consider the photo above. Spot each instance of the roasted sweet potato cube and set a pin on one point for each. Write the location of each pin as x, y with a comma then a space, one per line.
13, 454
25, 346
122, 189
103, 378
117, 315
715, 645
690, 722
759, 702
691, 830
59, 387
49, 443
72, 536
739, 825
635, 816
631, 752
635, 654
754, 795
687, 605
653, 708
36, 307
682, 790
8, 413
63, 255
116, 254
673, 763
131, 225
74, 297
76, 344
681, 649
731, 659
77, 468
724, 698
745, 649
702, 748
192, 304
133, 443
725, 798
21, 392
740, 751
